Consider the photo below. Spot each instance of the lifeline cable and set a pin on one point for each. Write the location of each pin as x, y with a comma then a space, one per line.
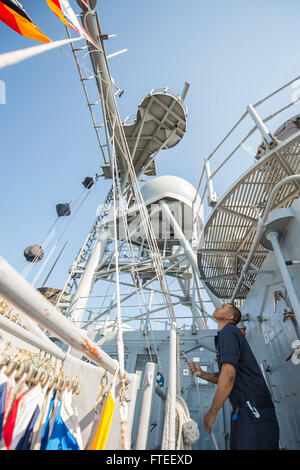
200, 402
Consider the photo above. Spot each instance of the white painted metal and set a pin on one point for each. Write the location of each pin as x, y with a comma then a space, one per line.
76, 270
146, 406
212, 197
16, 290
266, 134
180, 194
160, 123
185, 90
230, 229
179, 235
29, 338
114, 54
14, 57
170, 186
187, 250
172, 389
81, 296
261, 226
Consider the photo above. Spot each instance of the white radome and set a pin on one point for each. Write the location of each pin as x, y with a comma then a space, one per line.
173, 189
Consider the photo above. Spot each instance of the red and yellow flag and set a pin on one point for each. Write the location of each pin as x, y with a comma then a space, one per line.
63, 10
56, 8
13, 15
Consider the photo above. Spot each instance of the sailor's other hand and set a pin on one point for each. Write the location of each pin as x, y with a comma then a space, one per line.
194, 368
209, 420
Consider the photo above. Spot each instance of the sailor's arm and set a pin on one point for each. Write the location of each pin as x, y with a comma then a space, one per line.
209, 376
225, 385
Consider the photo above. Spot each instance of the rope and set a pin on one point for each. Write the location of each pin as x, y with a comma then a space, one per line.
187, 431
116, 255
147, 223
115, 121
128, 240
165, 434
120, 343
155, 256
51, 232
200, 402
156, 350
26, 272
202, 411
112, 122
28, 268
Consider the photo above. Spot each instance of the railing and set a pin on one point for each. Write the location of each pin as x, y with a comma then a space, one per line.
18, 292
205, 185
131, 118
167, 91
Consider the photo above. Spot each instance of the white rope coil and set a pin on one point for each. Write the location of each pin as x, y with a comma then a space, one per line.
187, 431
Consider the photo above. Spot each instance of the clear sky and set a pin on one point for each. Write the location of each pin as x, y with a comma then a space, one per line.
232, 52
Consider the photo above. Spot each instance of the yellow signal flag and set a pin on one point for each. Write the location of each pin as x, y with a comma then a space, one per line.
101, 436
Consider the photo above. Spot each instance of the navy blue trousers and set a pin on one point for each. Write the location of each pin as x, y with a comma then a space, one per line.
251, 433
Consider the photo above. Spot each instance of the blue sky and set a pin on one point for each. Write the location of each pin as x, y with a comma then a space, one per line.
232, 53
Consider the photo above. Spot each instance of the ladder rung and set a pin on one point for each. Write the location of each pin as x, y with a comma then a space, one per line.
79, 48
87, 78
93, 104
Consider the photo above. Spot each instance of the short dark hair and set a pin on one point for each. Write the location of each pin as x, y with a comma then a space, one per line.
236, 314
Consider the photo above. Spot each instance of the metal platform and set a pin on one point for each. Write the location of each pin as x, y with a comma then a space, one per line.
230, 228
160, 124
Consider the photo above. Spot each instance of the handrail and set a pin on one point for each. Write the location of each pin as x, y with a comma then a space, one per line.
236, 125
167, 91
17, 291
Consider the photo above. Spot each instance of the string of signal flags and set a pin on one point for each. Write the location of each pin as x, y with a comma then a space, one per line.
13, 14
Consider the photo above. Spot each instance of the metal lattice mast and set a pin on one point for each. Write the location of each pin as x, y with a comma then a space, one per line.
77, 269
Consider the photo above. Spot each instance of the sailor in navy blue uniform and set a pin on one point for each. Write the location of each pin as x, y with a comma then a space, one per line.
254, 424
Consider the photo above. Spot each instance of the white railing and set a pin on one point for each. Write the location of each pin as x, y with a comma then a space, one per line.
205, 185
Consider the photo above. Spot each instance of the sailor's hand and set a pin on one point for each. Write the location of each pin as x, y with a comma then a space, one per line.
194, 368
209, 420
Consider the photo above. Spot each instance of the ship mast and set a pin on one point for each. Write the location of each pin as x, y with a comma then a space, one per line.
147, 263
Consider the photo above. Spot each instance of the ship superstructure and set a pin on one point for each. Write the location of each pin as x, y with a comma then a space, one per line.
139, 296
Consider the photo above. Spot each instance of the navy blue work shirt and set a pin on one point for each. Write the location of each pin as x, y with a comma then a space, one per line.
233, 348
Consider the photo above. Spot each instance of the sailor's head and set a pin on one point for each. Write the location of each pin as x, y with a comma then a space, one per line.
228, 312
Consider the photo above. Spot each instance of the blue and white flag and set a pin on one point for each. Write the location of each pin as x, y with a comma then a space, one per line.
66, 433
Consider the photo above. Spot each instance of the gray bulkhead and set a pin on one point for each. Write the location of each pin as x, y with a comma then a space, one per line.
202, 344
272, 332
